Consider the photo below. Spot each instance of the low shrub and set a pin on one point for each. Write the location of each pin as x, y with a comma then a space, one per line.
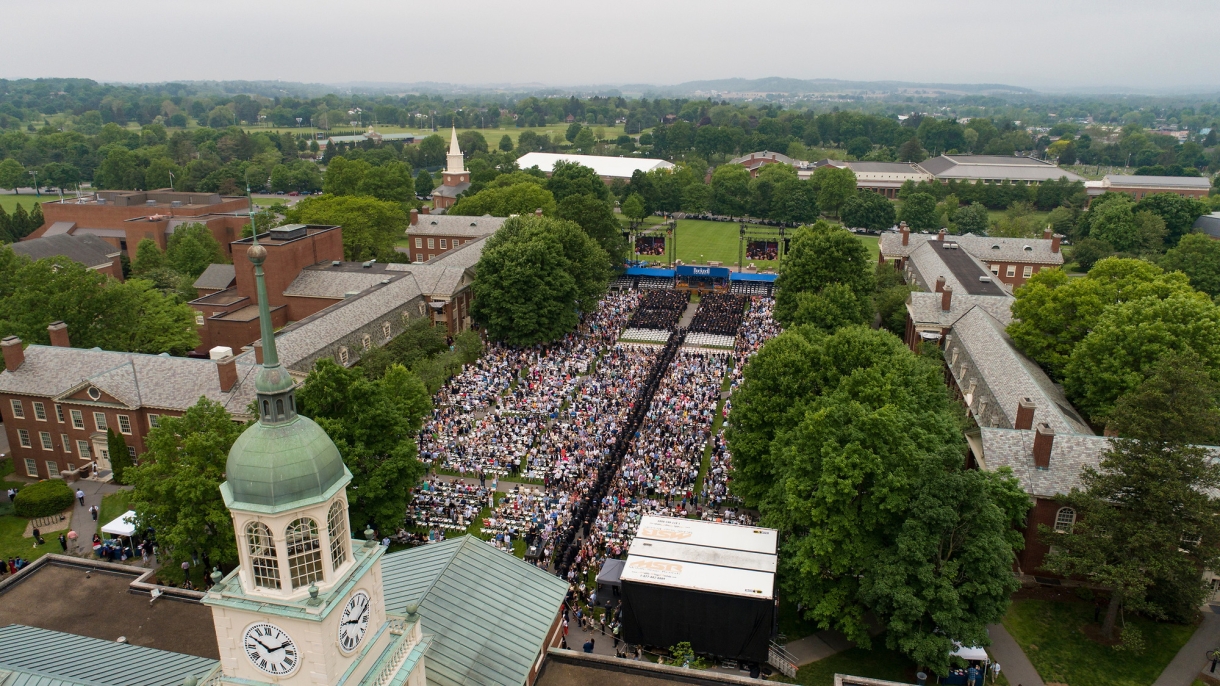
43, 499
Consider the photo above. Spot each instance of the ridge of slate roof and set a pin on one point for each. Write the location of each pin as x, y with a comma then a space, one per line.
925, 307
1070, 454
466, 255
979, 247
489, 612
43, 657
457, 225
1009, 375
135, 379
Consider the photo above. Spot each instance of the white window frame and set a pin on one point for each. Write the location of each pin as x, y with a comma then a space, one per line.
18, 409
23, 438
444, 244
199, 320
154, 420
419, 257
1065, 519
431, 243
78, 419
44, 437
82, 447
53, 469
1011, 271
40, 411
131, 451
995, 269
1027, 272
31, 467
419, 242
125, 424
67, 443
343, 356
385, 330
59, 413
99, 421
366, 341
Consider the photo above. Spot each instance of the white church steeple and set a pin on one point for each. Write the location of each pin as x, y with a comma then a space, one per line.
454, 162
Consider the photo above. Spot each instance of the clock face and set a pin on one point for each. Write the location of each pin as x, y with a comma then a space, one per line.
270, 649
354, 621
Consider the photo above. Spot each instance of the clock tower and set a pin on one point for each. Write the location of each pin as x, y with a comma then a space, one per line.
305, 605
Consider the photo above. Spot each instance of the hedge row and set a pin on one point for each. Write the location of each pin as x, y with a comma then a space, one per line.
43, 499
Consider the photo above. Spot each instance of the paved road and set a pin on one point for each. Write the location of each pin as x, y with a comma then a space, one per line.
1191, 659
1013, 662
82, 522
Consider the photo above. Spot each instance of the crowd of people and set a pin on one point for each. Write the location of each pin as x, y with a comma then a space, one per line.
659, 310
719, 313
596, 433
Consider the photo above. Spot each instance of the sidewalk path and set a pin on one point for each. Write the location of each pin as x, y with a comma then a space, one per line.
82, 522
817, 646
1190, 660
688, 316
1013, 662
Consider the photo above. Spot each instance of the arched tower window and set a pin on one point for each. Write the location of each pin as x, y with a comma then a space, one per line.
336, 528
279, 408
1065, 519
265, 565
304, 552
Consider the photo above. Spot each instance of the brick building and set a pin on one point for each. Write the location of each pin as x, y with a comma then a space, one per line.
124, 218
454, 180
91, 251
432, 235
755, 161
1011, 261
56, 401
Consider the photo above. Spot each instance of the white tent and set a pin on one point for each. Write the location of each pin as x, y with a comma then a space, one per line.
972, 653
124, 525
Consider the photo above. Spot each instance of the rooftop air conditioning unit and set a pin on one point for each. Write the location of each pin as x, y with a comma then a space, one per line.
367, 265
985, 279
150, 203
176, 203
335, 263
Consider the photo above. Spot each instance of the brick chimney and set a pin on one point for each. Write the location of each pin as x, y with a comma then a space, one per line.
946, 298
1044, 440
940, 284
1025, 414
1047, 233
940, 235
906, 233
14, 354
59, 334
227, 370
258, 352
414, 217
1055, 242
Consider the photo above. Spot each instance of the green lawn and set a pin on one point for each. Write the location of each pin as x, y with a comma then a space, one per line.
702, 241
12, 543
1051, 634
878, 663
9, 201
113, 505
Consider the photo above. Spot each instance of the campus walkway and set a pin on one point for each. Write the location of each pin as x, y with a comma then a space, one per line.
817, 646
688, 316
82, 521
1013, 663
1191, 659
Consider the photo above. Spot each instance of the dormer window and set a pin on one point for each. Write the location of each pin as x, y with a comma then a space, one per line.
1030, 248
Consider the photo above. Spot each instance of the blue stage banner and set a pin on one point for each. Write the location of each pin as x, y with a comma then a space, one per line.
712, 272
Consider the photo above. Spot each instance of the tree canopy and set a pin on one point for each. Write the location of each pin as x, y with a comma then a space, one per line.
825, 445
535, 277
596, 218
370, 226
373, 422
820, 255
176, 486
573, 178
868, 210
502, 201
1198, 257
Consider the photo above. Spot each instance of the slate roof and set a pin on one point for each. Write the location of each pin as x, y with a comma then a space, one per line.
981, 247
433, 279
925, 309
451, 191
58, 228
488, 611
1209, 224
136, 380
298, 341
960, 269
324, 283
456, 225
31, 656
1185, 182
885, 168
217, 277
86, 249
1070, 454
1007, 375
465, 256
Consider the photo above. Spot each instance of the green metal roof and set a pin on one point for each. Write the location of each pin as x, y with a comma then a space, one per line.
278, 465
488, 612
40, 657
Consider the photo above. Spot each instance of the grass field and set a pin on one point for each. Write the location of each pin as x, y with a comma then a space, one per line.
9, 201
702, 241
1052, 634
113, 506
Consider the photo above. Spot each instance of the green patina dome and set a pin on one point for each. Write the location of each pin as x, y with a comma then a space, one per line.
272, 465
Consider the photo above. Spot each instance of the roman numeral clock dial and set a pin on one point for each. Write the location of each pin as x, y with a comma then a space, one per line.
271, 649
354, 621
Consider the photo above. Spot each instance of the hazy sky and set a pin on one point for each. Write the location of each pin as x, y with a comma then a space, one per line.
1049, 44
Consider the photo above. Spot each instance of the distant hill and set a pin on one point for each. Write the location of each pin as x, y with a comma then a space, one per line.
776, 84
